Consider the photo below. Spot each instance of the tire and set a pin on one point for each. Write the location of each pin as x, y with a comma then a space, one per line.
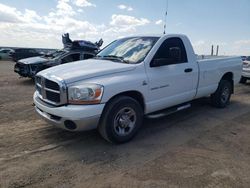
243, 80
121, 120
221, 97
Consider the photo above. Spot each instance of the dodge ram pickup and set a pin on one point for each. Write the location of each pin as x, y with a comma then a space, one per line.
130, 78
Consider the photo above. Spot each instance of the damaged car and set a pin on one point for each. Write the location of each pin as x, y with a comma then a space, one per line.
72, 51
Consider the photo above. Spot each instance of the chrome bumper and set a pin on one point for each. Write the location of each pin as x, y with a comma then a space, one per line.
84, 117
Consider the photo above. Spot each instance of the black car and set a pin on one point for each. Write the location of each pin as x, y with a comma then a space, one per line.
22, 53
73, 51
30, 66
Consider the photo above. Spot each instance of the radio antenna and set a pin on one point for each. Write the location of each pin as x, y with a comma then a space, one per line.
165, 19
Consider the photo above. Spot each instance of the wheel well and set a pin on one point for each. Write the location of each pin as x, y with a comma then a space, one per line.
133, 94
229, 77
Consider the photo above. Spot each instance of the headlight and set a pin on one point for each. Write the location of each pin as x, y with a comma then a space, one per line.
85, 94
246, 65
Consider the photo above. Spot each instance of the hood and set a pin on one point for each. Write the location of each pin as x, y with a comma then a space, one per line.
33, 60
86, 69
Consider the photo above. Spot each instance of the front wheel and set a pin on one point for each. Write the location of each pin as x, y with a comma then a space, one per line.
121, 119
243, 80
221, 97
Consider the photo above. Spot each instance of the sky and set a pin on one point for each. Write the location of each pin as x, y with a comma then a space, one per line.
32, 23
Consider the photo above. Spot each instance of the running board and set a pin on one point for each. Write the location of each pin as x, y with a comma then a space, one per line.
169, 111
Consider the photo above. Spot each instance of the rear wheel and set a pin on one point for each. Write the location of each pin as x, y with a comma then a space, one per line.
243, 80
121, 119
221, 97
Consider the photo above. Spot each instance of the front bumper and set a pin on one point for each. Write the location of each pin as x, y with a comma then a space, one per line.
23, 70
26, 70
84, 117
246, 72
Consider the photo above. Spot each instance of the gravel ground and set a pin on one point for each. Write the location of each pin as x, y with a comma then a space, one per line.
199, 147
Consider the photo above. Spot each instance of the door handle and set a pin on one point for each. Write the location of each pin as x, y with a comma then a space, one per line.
188, 70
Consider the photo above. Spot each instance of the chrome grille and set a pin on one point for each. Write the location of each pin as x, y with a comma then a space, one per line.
51, 85
51, 90
52, 96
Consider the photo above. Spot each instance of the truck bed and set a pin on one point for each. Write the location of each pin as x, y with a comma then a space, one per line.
204, 57
211, 71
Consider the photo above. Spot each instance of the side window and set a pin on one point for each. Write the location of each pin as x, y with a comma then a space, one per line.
87, 56
172, 51
71, 58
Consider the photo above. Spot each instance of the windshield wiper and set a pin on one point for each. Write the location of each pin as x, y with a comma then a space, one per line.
112, 57
97, 57
116, 58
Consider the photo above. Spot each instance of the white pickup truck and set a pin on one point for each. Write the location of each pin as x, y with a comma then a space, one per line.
245, 71
130, 78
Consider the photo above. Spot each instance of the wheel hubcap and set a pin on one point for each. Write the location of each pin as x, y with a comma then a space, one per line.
124, 121
225, 95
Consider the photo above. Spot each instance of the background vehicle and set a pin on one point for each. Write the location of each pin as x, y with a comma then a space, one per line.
243, 58
128, 79
73, 51
22, 53
246, 71
31, 66
5, 53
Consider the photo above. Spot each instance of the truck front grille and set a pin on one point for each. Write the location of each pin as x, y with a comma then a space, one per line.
55, 97
51, 85
51, 91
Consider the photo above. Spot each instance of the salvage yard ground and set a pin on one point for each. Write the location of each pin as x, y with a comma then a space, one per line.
199, 147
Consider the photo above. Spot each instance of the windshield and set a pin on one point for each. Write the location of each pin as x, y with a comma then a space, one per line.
129, 50
55, 54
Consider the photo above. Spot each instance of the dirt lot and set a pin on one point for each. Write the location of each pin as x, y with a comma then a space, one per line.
199, 147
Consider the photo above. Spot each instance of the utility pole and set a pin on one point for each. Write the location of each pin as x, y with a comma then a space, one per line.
212, 50
217, 50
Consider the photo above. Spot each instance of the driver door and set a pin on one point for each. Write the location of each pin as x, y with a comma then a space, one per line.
173, 80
